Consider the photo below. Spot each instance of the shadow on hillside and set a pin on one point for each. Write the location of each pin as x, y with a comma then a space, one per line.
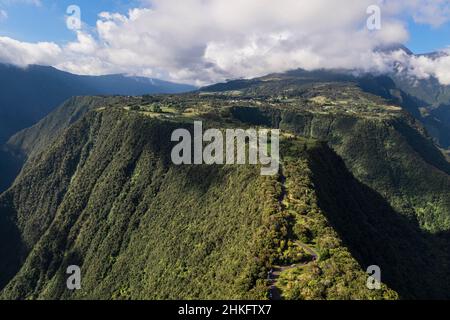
413, 262
12, 248
11, 163
423, 146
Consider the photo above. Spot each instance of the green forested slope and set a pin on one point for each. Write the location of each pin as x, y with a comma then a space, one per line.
391, 157
138, 226
361, 184
142, 228
36, 138
382, 146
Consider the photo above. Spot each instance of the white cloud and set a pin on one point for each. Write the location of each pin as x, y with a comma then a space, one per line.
24, 53
205, 41
3, 15
433, 12
424, 67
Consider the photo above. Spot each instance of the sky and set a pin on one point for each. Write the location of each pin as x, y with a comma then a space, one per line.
426, 38
205, 41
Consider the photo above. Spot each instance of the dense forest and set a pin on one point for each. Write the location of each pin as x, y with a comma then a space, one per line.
142, 228
361, 183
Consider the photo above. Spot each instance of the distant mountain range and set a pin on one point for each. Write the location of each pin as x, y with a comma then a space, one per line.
426, 99
29, 94
431, 98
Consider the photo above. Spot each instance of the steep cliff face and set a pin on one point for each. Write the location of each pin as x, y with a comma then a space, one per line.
393, 155
395, 201
105, 196
432, 104
137, 225
32, 140
360, 184
381, 145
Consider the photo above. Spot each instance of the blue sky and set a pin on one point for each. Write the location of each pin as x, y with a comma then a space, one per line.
205, 41
28, 22
425, 38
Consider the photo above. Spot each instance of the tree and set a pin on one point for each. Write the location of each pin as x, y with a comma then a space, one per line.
157, 109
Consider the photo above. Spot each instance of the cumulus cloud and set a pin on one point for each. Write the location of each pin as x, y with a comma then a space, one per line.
204, 41
432, 12
24, 53
424, 67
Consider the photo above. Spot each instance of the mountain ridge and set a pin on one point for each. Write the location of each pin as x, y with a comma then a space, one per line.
361, 183
29, 94
348, 155
127, 168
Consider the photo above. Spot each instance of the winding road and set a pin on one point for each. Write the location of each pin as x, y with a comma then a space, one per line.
274, 275
275, 292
